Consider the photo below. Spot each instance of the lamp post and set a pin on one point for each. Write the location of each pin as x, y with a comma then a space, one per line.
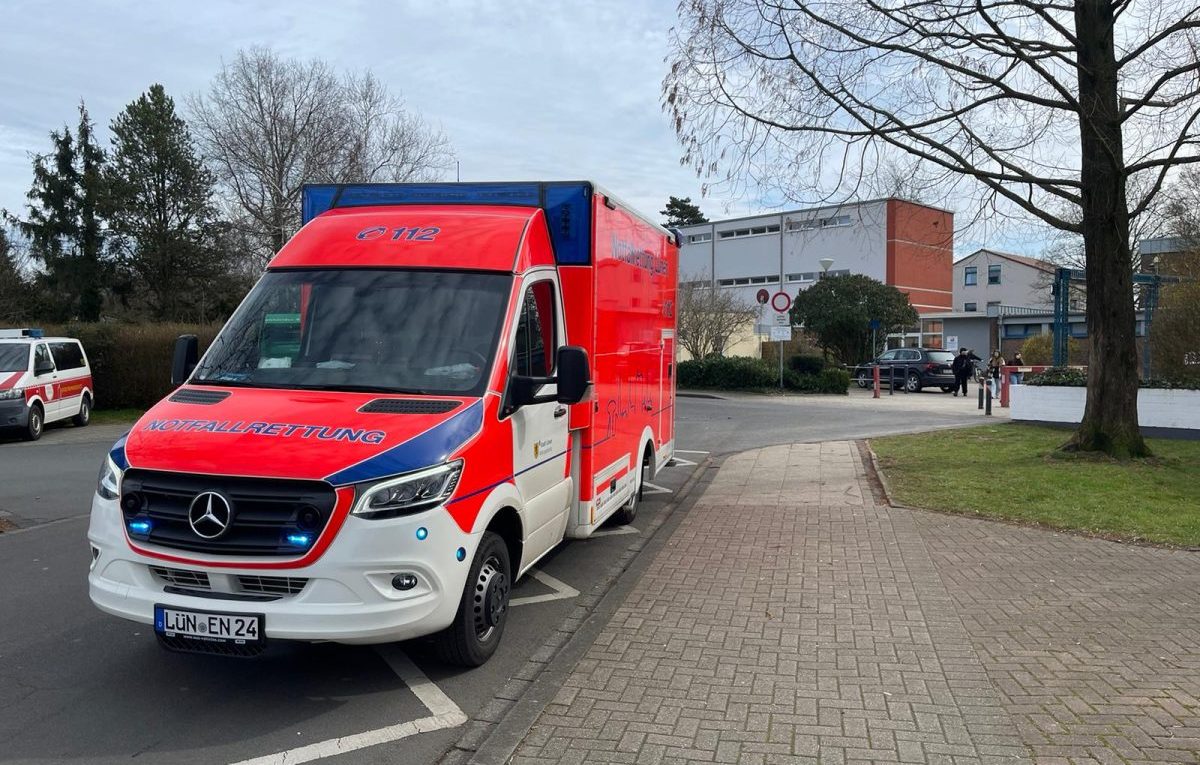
825, 264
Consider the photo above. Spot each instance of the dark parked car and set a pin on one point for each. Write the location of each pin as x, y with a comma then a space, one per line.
914, 369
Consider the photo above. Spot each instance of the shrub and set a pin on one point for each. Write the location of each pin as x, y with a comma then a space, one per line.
733, 373
806, 364
1076, 378
131, 363
834, 381
1039, 350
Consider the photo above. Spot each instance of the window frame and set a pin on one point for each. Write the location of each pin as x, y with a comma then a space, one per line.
970, 276
994, 267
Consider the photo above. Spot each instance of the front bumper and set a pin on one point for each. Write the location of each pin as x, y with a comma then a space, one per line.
14, 413
348, 597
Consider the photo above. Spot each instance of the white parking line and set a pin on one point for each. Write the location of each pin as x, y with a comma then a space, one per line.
614, 531
443, 713
653, 488
562, 590
680, 462
690, 451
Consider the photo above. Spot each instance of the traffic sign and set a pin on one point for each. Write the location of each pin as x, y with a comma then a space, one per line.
875, 324
763, 296
781, 301
783, 320
781, 334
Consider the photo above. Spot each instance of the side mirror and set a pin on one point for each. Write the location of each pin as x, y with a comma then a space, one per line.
574, 374
187, 355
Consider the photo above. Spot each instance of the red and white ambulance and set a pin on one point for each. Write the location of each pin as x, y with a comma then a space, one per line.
43, 380
430, 387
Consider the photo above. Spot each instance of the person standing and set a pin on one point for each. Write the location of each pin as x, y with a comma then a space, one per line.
1014, 377
994, 366
961, 367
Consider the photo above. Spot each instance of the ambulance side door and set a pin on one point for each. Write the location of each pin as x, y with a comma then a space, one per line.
43, 362
540, 430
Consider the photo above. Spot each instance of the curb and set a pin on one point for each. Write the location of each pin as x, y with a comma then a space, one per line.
495, 732
884, 483
698, 394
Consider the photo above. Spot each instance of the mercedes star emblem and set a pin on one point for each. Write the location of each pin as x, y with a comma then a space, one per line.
210, 514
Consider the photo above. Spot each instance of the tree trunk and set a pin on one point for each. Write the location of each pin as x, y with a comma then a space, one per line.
1110, 419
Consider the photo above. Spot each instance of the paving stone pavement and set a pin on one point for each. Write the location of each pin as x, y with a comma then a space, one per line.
793, 618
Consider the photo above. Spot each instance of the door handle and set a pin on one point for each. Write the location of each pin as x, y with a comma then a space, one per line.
560, 411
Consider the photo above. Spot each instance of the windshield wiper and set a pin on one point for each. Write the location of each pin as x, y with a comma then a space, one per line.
373, 389
237, 384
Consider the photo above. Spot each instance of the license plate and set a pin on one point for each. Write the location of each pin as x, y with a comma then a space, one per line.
242, 629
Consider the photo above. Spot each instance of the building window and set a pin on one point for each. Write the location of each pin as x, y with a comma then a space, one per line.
807, 276
738, 233
970, 307
993, 308
994, 274
815, 223
698, 238
970, 276
837, 220
726, 282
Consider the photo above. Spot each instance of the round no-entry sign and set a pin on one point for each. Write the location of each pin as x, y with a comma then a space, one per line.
763, 296
781, 301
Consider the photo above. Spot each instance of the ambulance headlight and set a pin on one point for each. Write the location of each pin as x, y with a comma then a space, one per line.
12, 393
109, 484
409, 493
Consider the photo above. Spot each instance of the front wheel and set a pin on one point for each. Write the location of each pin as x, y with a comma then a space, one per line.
912, 383
85, 413
863, 380
37, 422
483, 611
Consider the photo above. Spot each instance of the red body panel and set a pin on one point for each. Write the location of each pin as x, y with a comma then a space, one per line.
316, 437
466, 237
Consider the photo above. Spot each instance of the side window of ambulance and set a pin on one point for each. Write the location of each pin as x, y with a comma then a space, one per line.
536, 341
67, 356
41, 356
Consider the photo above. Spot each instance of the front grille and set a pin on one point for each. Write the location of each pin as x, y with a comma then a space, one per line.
407, 406
272, 585
265, 511
182, 644
197, 580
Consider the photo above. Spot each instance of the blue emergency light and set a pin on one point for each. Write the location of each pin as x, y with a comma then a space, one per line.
567, 205
299, 540
140, 526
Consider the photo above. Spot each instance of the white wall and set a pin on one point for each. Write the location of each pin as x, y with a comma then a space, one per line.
1020, 284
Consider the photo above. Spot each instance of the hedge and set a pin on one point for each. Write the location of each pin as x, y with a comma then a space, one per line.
1077, 378
739, 373
131, 363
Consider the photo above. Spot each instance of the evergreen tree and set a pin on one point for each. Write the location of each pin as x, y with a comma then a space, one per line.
14, 287
64, 225
160, 210
681, 212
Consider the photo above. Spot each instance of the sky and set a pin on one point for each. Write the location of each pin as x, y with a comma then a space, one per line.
524, 90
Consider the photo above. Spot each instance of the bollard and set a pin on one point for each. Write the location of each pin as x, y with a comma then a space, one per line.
988, 411
1005, 373
876, 374
891, 381
981, 395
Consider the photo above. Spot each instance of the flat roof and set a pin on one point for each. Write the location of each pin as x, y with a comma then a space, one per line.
842, 206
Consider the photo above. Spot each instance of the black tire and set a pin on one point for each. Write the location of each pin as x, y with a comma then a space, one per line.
864, 379
628, 511
85, 412
36, 423
472, 637
912, 383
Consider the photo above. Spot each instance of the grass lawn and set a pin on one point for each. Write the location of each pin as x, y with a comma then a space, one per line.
115, 416
1013, 471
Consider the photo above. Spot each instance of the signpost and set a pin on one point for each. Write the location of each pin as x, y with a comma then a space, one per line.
782, 330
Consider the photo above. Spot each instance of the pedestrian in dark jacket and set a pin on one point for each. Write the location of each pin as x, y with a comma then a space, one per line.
961, 367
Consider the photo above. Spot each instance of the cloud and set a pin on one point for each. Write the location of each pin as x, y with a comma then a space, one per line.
524, 90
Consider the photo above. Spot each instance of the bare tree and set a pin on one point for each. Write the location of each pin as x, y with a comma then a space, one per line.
268, 125
710, 319
1025, 106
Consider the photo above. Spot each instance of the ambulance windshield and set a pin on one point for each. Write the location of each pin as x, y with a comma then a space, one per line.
14, 357
390, 331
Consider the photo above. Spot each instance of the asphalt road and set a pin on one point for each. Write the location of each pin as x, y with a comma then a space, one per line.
77, 685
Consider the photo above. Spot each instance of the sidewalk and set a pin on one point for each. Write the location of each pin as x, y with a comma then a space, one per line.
791, 618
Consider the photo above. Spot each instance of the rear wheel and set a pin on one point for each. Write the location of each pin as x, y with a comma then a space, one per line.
85, 412
483, 611
912, 383
37, 422
863, 379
